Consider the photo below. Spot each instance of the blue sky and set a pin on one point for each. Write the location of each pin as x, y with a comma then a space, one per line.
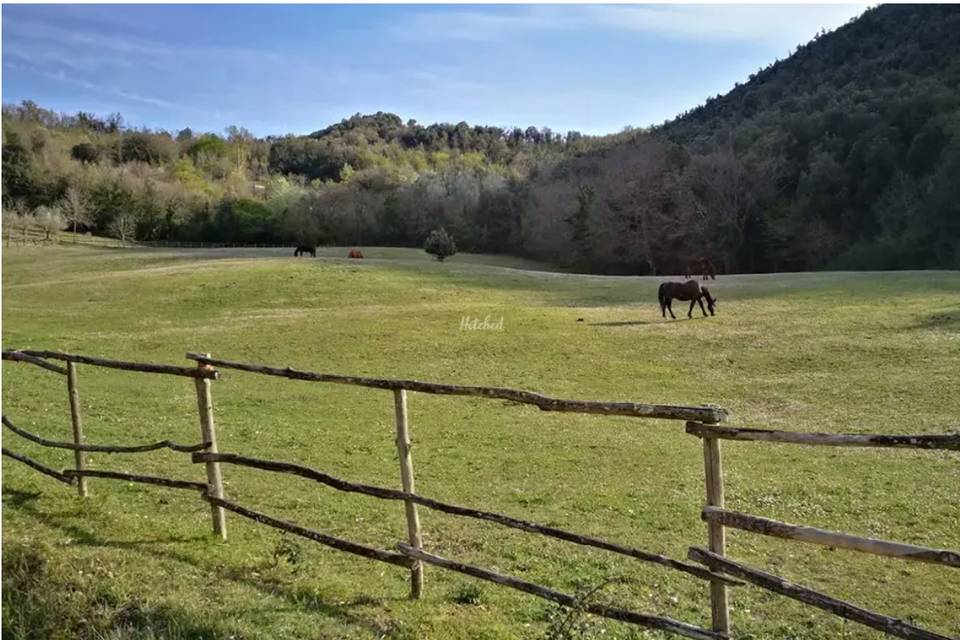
278, 69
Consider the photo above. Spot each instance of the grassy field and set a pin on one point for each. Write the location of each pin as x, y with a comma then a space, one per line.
837, 352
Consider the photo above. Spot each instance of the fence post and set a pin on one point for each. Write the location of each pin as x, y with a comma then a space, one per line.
77, 422
208, 436
406, 479
719, 605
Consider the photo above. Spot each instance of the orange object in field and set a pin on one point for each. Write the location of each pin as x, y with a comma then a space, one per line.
355, 253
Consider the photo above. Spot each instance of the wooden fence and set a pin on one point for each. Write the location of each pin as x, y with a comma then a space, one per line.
36, 237
711, 565
718, 519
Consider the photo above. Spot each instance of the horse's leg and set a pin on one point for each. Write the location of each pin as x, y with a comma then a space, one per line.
700, 300
690, 310
670, 308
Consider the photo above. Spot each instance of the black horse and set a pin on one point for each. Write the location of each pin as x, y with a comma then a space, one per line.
689, 290
700, 266
305, 249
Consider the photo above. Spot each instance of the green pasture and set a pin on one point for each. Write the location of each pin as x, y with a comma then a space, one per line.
833, 352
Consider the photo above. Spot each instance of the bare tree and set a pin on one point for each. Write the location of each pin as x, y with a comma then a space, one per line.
22, 221
648, 213
50, 221
728, 189
75, 209
11, 220
122, 228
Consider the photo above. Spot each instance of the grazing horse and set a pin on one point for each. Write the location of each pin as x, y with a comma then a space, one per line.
689, 290
305, 249
700, 266
355, 254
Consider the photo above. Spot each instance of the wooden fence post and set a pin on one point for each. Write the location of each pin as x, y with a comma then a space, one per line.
719, 605
208, 436
77, 421
406, 479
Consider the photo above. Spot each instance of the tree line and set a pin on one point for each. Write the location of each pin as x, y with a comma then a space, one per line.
843, 155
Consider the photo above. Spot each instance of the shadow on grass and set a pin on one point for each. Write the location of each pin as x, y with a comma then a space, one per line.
299, 597
948, 320
624, 323
43, 598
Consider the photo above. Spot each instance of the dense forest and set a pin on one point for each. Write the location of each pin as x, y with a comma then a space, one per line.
844, 155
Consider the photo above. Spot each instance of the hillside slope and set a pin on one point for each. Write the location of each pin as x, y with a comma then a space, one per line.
863, 125
845, 154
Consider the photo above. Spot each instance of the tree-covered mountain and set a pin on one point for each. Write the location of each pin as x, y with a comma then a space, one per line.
846, 154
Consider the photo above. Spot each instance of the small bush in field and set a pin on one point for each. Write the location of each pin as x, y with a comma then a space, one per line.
440, 244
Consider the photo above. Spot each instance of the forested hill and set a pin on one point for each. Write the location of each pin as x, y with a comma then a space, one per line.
846, 154
862, 129
848, 79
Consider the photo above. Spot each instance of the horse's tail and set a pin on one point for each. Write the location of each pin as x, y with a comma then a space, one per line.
661, 295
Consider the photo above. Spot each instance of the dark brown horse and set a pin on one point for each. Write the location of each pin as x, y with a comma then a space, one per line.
700, 266
305, 249
689, 290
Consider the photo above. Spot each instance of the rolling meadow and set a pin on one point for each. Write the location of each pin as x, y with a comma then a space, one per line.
837, 352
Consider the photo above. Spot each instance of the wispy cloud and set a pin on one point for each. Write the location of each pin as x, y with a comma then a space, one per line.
776, 24
791, 24
115, 92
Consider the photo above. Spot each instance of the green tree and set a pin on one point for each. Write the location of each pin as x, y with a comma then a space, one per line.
143, 147
19, 181
440, 244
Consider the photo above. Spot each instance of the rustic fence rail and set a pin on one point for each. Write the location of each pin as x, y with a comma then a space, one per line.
545, 403
832, 539
770, 582
701, 421
938, 441
444, 507
719, 518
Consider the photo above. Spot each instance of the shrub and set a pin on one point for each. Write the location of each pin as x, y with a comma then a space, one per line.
144, 147
440, 244
469, 594
289, 551
85, 152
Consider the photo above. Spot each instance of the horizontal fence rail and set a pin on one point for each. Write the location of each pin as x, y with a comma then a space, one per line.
69, 476
545, 403
497, 518
623, 615
18, 356
770, 582
389, 557
926, 441
210, 245
102, 448
132, 477
45, 470
190, 372
822, 537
